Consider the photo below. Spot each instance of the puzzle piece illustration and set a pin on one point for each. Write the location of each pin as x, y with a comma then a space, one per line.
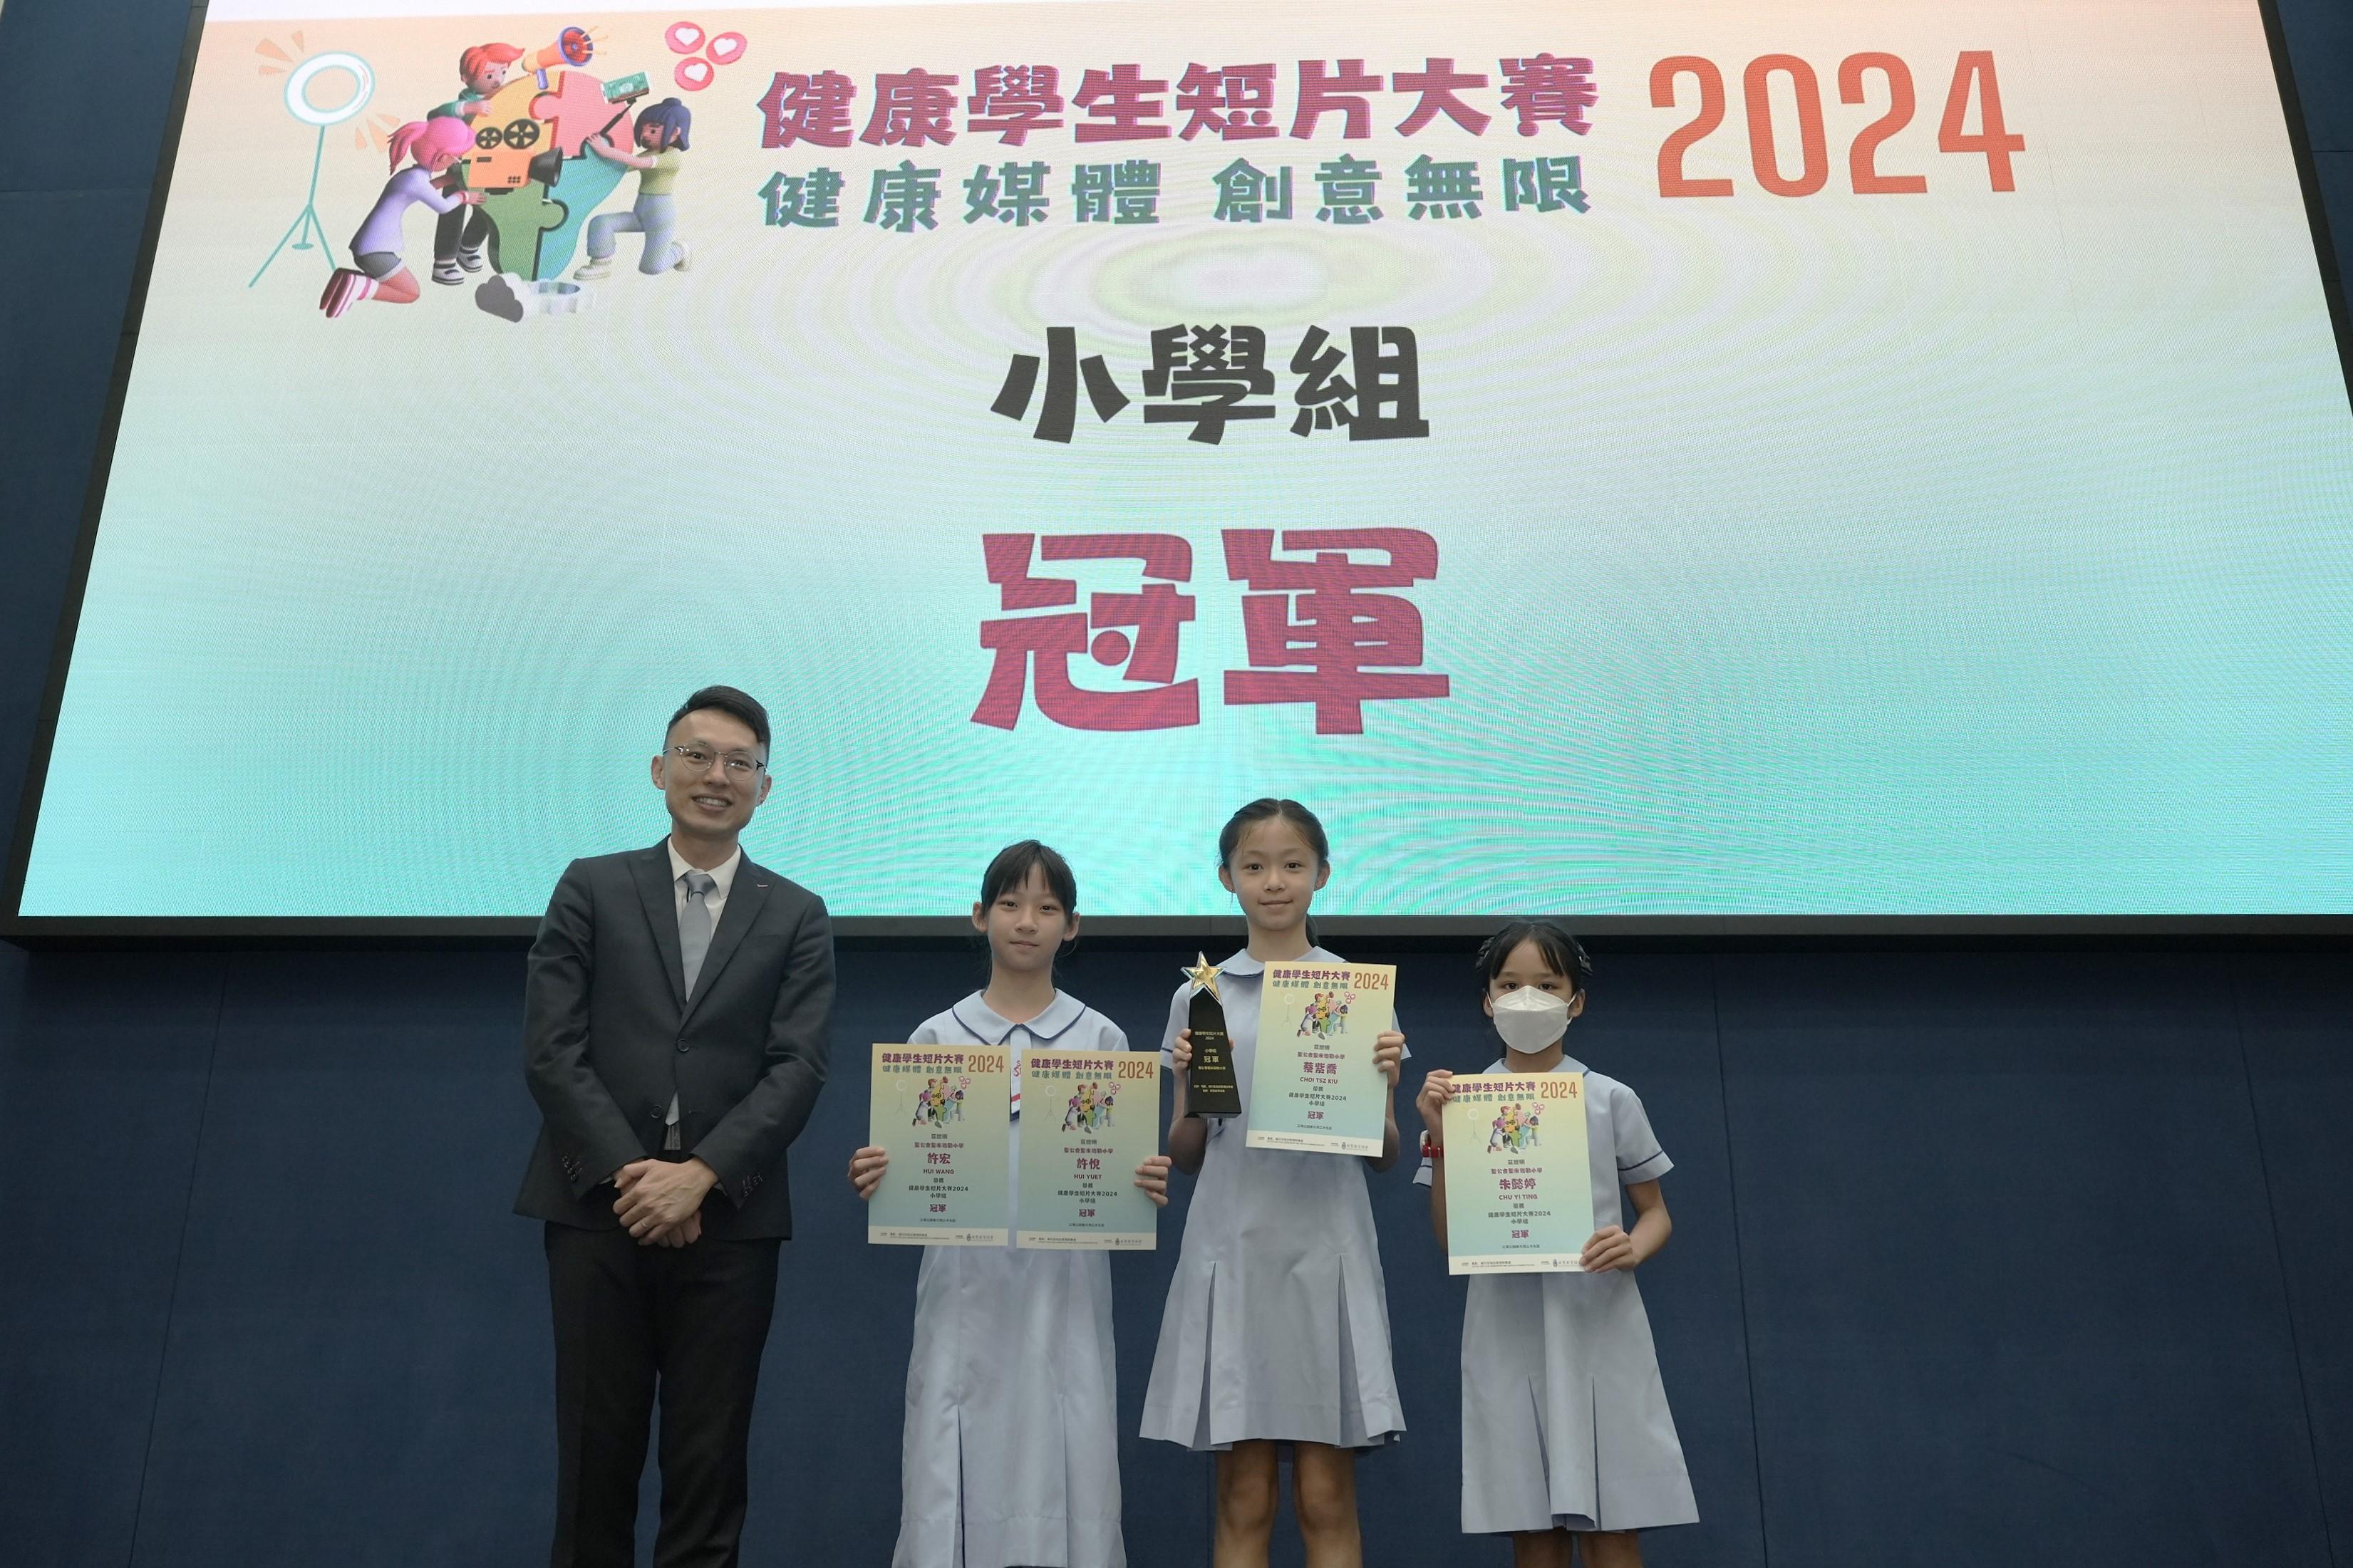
620, 127
520, 221
574, 110
586, 183
511, 299
507, 137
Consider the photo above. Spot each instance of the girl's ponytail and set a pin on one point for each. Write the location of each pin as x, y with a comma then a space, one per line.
403, 139
427, 139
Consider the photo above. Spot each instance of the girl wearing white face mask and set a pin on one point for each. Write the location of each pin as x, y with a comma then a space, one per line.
1567, 1439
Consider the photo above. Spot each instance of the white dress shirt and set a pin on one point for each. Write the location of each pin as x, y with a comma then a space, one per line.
723, 874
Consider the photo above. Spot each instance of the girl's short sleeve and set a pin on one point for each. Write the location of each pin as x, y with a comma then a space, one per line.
1179, 1019
928, 1034
1639, 1158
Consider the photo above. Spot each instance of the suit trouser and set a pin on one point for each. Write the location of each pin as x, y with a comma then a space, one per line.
692, 1319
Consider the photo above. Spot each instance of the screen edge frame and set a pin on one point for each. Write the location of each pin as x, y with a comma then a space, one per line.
39, 754
25, 931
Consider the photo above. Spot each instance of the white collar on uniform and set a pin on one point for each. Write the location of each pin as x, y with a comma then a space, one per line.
1567, 1064
1242, 963
724, 873
990, 1029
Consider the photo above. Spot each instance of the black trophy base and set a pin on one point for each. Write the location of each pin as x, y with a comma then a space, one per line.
1211, 1087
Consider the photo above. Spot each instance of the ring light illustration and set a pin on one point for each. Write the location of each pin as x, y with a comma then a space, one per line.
298, 85
305, 227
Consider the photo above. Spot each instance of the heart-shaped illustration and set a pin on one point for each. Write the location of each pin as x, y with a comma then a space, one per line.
683, 37
692, 75
726, 48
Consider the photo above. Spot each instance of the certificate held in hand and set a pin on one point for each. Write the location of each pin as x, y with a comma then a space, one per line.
1519, 1194
945, 1115
1090, 1118
1313, 1086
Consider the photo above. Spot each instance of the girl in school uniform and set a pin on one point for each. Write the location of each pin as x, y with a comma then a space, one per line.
1277, 1327
1566, 1433
1010, 1452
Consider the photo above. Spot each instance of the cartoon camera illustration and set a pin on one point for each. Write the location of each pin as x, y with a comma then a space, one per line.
531, 124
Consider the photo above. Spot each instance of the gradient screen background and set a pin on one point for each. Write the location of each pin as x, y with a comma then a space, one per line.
1806, 550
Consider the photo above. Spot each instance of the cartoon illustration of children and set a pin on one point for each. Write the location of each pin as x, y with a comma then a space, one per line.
661, 137
1071, 1115
379, 272
1103, 1106
460, 239
954, 1106
1495, 1133
1528, 1126
1319, 1012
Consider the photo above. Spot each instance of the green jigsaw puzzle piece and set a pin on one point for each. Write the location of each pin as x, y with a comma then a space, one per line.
585, 182
520, 222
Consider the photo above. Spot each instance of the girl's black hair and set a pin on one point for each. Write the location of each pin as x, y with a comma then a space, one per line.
1011, 869
675, 120
1262, 809
1562, 953
1265, 808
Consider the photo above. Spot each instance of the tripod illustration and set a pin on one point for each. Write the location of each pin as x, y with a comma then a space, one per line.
306, 225
306, 222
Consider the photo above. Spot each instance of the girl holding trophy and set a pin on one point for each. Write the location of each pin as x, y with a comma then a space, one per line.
1010, 1449
1276, 1333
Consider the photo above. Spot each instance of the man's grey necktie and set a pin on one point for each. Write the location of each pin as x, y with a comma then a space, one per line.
693, 943
694, 924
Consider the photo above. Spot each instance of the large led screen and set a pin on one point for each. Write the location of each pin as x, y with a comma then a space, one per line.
1633, 459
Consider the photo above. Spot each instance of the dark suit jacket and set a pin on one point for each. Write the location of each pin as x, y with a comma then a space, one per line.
609, 1034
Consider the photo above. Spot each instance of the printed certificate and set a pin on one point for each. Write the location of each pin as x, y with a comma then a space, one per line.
1519, 1194
1313, 1082
942, 1111
1088, 1120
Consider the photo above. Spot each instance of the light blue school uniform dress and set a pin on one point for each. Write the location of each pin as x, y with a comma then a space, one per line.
1010, 1454
1278, 1323
1564, 1420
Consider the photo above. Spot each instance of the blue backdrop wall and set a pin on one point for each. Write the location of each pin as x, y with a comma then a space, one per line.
2017, 1257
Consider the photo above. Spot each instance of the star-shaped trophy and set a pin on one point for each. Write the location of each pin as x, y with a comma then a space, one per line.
1203, 974
1210, 1088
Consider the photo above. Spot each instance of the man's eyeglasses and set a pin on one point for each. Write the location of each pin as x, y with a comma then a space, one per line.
738, 765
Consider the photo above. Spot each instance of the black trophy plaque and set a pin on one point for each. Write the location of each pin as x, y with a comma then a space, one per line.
1211, 1087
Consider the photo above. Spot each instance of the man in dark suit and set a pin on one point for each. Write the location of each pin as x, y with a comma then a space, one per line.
674, 1035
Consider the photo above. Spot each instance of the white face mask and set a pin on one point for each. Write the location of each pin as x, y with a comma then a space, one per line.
1530, 1020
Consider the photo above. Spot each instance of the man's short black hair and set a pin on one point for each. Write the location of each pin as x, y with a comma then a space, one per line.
728, 700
